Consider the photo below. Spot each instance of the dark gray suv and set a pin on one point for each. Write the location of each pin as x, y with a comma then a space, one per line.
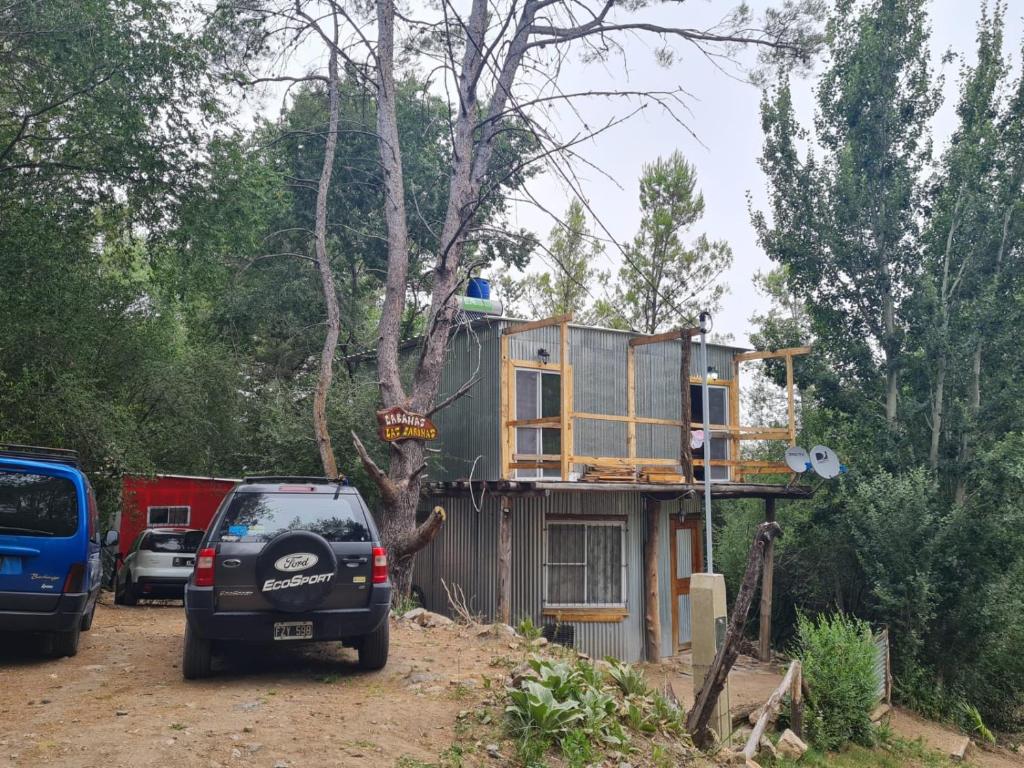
285, 560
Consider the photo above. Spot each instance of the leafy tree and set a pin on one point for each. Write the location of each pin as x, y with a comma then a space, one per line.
664, 283
572, 284
845, 222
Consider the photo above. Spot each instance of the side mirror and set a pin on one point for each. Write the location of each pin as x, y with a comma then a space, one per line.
111, 538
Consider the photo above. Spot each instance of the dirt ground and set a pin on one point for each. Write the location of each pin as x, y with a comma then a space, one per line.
122, 701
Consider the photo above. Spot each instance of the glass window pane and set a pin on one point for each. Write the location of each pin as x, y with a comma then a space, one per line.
718, 405
259, 517
42, 504
566, 543
552, 441
696, 403
719, 448
604, 564
565, 584
526, 440
551, 394
526, 394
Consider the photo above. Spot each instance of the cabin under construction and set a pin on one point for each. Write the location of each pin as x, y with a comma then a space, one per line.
572, 472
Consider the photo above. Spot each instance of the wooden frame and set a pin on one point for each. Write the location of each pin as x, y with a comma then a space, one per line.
677, 586
586, 615
568, 415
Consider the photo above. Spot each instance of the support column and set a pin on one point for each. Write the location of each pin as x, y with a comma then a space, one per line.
652, 616
505, 562
764, 651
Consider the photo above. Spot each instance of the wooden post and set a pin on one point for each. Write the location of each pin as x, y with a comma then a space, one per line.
767, 577
704, 705
631, 401
566, 404
796, 705
685, 454
790, 400
505, 562
771, 707
652, 616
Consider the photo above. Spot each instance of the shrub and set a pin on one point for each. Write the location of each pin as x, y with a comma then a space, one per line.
838, 658
528, 629
628, 678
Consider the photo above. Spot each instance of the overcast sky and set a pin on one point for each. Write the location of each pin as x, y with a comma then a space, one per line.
727, 142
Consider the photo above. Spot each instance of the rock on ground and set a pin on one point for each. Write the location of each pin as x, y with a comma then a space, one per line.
790, 745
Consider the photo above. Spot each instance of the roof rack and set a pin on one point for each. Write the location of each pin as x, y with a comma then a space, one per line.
39, 453
293, 479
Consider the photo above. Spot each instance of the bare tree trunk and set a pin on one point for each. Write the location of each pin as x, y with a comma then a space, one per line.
323, 264
939, 392
974, 401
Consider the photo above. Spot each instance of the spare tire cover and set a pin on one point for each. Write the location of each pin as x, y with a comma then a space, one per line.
296, 571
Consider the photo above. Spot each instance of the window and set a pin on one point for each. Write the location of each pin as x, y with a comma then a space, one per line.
718, 413
538, 396
186, 541
259, 517
168, 516
585, 564
37, 505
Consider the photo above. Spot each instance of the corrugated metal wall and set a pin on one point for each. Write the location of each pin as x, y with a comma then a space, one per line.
470, 427
465, 553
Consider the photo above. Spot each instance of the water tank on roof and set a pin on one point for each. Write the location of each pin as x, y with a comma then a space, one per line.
478, 288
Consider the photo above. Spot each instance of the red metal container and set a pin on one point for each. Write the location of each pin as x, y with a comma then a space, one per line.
159, 501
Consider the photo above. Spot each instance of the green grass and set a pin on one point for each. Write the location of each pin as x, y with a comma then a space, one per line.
897, 753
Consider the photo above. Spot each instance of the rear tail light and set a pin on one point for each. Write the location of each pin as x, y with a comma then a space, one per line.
204, 567
380, 565
75, 577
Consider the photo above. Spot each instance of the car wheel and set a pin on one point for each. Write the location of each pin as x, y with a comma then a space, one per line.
65, 643
373, 649
128, 596
197, 658
87, 617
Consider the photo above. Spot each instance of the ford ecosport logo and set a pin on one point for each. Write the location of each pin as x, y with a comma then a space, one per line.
298, 561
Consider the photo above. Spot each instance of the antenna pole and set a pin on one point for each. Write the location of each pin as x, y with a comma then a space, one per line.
705, 319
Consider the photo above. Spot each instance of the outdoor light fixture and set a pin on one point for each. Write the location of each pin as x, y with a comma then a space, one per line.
543, 355
712, 372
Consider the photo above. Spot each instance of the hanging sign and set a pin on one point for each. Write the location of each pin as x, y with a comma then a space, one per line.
696, 438
394, 424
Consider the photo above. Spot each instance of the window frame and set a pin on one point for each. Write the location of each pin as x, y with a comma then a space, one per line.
168, 524
622, 525
524, 473
718, 435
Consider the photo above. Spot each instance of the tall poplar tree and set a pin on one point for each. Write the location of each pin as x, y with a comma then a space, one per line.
843, 218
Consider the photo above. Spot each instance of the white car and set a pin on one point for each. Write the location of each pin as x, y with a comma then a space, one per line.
157, 566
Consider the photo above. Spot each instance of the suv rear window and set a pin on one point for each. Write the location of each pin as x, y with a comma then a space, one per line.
259, 517
186, 541
37, 505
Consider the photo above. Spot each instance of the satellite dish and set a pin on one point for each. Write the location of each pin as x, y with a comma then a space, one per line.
797, 459
825, 462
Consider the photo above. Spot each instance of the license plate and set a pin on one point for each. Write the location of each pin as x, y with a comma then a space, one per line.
293, 630
184, 562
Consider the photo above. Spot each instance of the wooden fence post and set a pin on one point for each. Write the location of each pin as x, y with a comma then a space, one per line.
652, 616
767, 579
505, 562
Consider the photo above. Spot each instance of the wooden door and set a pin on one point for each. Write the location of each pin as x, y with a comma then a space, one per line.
687, 558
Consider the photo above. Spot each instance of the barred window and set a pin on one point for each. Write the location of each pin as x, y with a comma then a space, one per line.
585, 564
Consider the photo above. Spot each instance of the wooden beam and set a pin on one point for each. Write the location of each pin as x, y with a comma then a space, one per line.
707, 697
771, 707
565, 391
767, 578
533, 325
685, 406
505, 562
790, 400
631, 399
504, 387
555, 422
775, 353
652, 614
623, 461
619, 417
536, 365
639, 341
734, 418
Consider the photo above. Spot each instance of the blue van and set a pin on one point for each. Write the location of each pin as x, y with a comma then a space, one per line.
50, 568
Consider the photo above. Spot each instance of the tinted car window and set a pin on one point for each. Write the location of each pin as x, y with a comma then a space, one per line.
37, 505
186, 541
259, 517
